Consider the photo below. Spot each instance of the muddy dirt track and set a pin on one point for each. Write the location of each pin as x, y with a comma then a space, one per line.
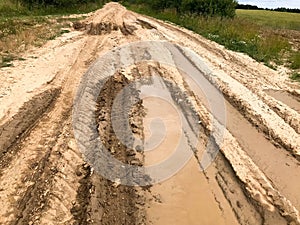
253, 179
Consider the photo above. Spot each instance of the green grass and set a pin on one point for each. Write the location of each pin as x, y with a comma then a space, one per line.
235, 34
295, 60
17, 34
263, 35
21, 28
9, 8
277, 20
262, 42
295, 76
6, 60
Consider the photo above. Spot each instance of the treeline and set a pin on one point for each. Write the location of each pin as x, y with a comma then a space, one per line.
56, 3
286, 10
207, 8
254, 7
242, 6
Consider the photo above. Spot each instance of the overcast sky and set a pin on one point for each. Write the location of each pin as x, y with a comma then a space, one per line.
272, 3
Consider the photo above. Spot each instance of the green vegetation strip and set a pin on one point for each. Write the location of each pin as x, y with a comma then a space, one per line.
262, 43
17, 34
17, 8
266, 36
277, 20
21, 27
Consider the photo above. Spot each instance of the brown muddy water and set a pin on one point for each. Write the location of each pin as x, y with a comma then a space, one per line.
285, 98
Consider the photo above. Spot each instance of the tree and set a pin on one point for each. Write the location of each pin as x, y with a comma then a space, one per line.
223, 8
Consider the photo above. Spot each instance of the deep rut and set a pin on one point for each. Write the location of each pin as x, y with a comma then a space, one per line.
254, 178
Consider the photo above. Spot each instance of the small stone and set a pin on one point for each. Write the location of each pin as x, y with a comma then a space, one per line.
72, 144
117, 182
138, 148
86, 166
53, 169
112, 150
78, 173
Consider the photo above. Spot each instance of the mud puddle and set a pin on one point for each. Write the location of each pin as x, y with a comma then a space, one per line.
286, 98
186, 197
167, 130
275, 162
160, 141
254, 143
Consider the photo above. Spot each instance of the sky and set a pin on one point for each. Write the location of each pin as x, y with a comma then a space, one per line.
272, 3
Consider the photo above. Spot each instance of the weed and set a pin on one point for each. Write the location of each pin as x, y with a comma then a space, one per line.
17, 34
10, 8
295, 60
240, 34
63, 31
21, 28
6, 60
295, 76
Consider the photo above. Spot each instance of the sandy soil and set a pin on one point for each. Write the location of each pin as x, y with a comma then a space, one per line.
254, 179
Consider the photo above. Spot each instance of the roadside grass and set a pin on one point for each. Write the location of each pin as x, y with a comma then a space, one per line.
19, 34
295, 76
235, 34
295, 60
277, 20
20, 28
13, 8
262, 43
9, 8
6, 60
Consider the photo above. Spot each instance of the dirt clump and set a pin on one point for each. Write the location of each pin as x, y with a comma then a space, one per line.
104, 28
145, 24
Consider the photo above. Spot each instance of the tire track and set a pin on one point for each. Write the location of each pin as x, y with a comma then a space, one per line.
254, 191
244, 74
44, 177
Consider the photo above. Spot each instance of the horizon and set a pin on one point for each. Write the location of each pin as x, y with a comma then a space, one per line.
272, 4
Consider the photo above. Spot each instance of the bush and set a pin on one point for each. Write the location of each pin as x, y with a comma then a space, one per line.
222, 8
55, 3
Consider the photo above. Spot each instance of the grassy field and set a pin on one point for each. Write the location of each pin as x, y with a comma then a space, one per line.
19, 34
21, 28
265, 42
282, 24
278, 20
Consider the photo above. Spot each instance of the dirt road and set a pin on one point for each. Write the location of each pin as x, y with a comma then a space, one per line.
47, 178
